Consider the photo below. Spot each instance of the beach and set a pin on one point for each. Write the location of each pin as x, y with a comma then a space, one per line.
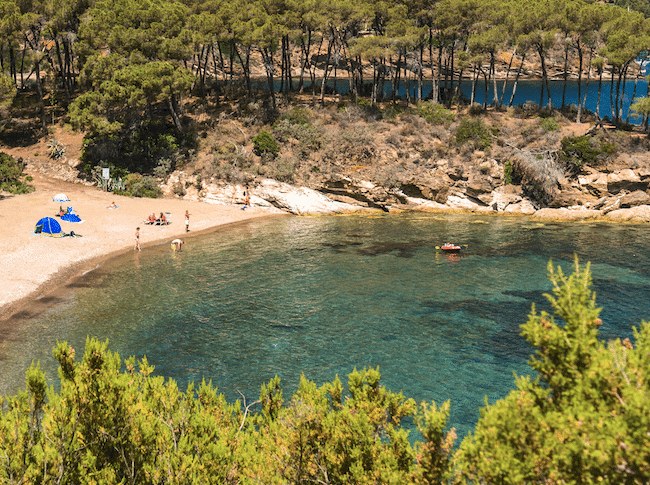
33, 265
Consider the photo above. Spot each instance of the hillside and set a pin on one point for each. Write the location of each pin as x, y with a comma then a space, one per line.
391, 158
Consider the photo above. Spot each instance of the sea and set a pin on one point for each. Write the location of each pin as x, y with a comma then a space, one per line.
595, 100
322, 296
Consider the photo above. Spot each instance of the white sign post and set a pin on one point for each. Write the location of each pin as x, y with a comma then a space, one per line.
106, 174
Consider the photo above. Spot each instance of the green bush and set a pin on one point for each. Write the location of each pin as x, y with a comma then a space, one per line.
507, 172
549, 124
583, 417
435, 113
265, 144
297, 116
137, 185
308, 136
106, 424
580, 150
140, 149
11, 176
474, 130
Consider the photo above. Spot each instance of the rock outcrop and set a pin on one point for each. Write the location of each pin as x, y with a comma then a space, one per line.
622, 195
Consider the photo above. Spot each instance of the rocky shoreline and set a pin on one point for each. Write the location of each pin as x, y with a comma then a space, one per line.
618, 196
357, 197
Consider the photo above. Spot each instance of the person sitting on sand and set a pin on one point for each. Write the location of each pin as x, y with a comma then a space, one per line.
162, 220
61, 211
151, 219
177, 245
112, 206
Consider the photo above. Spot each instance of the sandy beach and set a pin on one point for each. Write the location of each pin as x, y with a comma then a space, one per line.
33, 265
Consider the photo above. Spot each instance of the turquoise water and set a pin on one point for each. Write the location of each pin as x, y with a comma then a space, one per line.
321, 296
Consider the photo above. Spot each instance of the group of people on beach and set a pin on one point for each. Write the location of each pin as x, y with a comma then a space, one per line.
176, 244
159, 221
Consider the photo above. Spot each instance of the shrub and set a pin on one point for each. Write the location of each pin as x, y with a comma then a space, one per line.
8, 92
549, 124
137, 185
297, 116
435, 113
580, 150
583, 417
282, 170
139, 149
56, 150
164, 167
538, 176
473, 130
308, 136
11, 175
507, 172
264, 143
476, 109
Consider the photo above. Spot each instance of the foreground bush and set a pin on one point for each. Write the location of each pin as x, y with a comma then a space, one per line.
584, 419
108, 425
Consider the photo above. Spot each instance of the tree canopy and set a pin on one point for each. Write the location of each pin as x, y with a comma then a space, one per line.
81, 44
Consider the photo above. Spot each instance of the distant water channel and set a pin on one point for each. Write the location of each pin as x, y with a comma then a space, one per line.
528, 91
324, 295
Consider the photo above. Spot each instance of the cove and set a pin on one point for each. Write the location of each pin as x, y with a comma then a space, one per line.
320, 296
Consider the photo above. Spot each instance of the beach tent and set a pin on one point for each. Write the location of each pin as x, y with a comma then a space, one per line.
48, 226
71, 217
60, 198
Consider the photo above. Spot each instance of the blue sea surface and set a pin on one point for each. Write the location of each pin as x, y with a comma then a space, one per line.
321, 296
528, 91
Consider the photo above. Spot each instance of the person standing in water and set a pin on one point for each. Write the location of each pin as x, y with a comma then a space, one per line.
177, 245
137, 240
187, 221
247, 197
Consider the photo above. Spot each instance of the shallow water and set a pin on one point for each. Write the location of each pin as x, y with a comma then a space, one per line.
321, 296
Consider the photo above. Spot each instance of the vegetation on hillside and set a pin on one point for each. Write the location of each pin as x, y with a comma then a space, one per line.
12, 178
583, 419
112, 68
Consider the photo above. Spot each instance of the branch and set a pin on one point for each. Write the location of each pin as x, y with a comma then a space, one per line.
246, 408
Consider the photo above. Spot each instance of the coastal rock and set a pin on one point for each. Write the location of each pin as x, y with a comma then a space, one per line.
595, 183
357, 192
504, 196
524, 207
640, 213
572, 196
626, 179
300, 200
428, 187
418, 204
573, 214
233, 194
638, 197
463, 202
611, 205
477, 186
